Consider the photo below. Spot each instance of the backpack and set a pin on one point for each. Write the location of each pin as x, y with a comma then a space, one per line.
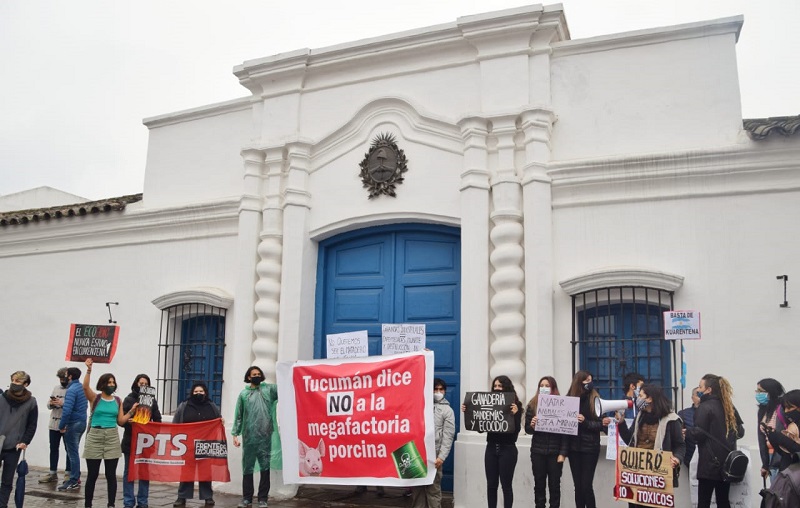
734, 469
785, 490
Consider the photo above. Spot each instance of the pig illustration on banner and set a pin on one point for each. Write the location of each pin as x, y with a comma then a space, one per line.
311, 459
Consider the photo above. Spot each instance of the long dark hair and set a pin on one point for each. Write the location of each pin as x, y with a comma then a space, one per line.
775, 391
576, 390
722, 389
508, 386
661, 406
553, 391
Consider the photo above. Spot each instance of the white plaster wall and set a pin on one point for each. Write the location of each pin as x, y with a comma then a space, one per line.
196, 160
658, 97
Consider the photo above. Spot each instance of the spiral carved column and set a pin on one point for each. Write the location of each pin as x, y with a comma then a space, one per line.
507, 304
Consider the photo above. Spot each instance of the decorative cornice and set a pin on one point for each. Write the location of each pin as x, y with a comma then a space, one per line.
760, 128
210, 110
215, 297
22, 217
622, 276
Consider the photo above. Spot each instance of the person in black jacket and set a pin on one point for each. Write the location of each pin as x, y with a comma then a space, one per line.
716, 416
141, 497
584, 448
768, 398
198, 408
785, 436
548, 451
687, 415
656, 427
19, 417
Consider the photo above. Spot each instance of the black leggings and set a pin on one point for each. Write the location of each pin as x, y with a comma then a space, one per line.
582, 466
705, 488
500, 461
93, 465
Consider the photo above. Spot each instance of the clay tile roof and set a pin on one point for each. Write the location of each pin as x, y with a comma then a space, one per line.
760, 128
57, 212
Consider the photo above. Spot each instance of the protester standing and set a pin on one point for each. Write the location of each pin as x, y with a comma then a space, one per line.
198, 408
786, 433
716, 423
584, 448
768, 397
548, 450
102, 440
656, 427
632, 382
19, 417
253, 422
55, 405
140, 499
72, 425
444, 425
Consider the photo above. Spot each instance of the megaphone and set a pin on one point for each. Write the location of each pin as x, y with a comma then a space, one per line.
607, 406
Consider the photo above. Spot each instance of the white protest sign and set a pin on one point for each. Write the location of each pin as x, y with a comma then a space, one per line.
682, 325
614, 440
347, 345
557, 414
402, 338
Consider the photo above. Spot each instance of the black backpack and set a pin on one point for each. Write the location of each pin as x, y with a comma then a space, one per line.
785, 490
734, 468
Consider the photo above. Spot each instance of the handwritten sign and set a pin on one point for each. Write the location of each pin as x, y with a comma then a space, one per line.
644, 477
558, 414
614, 441
402, 338
98, 342
489, 412
348, 345
682, 325
147, 397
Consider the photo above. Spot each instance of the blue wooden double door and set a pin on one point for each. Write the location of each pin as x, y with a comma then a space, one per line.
409, 273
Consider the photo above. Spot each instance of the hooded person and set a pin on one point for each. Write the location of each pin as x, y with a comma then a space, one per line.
197, 408
130, 500
19, 417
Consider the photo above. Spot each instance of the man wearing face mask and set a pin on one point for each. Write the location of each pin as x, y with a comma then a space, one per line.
444, 424
55, 404
18, 418
632, 383
72, 425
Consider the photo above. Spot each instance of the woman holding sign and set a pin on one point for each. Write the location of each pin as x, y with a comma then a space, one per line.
656, 427
548, 451
139, 382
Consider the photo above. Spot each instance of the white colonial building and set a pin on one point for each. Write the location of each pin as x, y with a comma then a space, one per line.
536, 201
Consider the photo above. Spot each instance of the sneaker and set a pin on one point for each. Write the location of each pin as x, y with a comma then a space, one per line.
179, 503
245, 504
210, 502
262, 504
49, 478
69, 485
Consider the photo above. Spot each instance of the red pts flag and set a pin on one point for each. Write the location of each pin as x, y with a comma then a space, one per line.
179, 452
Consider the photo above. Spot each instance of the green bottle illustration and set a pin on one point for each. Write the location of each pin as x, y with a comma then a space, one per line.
408, 462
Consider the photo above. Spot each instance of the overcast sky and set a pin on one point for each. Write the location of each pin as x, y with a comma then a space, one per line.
79, 76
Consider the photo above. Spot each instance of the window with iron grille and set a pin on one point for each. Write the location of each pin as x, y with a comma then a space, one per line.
617, 330
191, 348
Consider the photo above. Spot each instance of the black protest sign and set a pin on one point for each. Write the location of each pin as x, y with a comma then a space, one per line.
98, 342
490, 412
147, 397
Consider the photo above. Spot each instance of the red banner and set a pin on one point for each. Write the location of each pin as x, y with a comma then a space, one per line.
179, 452
359, 421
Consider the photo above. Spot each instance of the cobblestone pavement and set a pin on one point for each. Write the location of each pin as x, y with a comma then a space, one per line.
162, 495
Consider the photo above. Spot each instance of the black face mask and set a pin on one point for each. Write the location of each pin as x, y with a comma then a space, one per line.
588, 386
16, 388
198, 397
793, 415
256, 380
108, 390
64, 382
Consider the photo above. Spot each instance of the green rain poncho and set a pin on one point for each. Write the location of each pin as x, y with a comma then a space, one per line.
254, 421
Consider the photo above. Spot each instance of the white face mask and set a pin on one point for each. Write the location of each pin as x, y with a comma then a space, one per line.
544, 390
438, 396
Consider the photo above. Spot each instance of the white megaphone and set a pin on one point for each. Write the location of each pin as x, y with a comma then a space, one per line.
607, 406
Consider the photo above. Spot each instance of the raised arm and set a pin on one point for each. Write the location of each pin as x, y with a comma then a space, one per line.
87, 386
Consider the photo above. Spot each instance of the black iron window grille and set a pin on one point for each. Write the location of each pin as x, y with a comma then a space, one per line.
618, 330
191, 348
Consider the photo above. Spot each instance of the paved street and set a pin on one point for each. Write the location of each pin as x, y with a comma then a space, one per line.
39, 495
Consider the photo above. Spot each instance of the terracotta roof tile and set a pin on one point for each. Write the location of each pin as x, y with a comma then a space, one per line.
760, 128
58, 212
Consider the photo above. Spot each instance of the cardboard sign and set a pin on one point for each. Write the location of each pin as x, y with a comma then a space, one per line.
682, 325
98, 342
644, 477
179, 452
147, 397
347, 345
490, 412
558, 414
402, 338
358, 422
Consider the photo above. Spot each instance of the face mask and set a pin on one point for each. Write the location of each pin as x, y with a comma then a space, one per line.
16, 388
700, 394
108, 390
793, 415
641, 403
256, 380
198, 397
762, 398
588, 386
64, 383
636, 392
544, 390
438, 396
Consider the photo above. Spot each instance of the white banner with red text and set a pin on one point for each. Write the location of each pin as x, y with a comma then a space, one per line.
358, 421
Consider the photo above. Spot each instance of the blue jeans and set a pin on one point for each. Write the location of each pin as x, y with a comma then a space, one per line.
128, 498
72, 439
